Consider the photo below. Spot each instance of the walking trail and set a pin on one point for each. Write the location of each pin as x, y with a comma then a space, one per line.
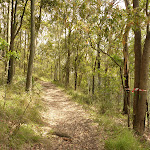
73, 128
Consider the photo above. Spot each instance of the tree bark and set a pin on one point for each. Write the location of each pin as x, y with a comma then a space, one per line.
98, 67
14, 33
11, 61
138, 54
93, 78
32, 46
68, 58
126, 106
76, 72
141, 75
25, 47
141, 103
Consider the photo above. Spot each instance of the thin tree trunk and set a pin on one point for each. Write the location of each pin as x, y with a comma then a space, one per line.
14, 33
11, 61
8, 31
25, 46
98, 68
76, 73
68, 59
32, 46
51, 72
93, 78
20, 63
126, 106
55, 71
59, 57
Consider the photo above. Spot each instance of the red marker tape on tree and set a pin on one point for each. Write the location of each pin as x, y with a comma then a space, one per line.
137, 89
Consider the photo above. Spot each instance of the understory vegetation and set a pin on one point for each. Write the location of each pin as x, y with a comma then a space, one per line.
21, 122
112, 122
19, 115
97, 50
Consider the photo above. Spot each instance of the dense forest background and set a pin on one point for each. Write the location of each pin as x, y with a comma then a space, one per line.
96, 49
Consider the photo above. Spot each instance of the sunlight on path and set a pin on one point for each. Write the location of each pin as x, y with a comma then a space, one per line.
74, 130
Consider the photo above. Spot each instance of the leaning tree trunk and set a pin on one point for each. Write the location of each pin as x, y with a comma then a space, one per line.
31, 57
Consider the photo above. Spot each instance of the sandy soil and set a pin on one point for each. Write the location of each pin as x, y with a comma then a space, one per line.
72, 125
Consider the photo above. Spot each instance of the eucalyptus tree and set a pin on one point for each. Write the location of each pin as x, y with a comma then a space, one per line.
14, 32
126, 106
101, 23
141, 65
32, 48
5, 8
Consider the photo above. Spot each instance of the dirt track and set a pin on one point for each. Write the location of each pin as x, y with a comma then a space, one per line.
72, 126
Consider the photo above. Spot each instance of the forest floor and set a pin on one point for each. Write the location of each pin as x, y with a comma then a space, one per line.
71, 127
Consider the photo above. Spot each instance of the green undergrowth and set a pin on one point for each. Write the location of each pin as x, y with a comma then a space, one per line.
112, 123
123, 140
19, 114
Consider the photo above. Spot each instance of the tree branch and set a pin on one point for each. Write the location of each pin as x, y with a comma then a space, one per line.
147, 2
39, 18
147, 14
15, 12
21, 18
121, 76
103, 52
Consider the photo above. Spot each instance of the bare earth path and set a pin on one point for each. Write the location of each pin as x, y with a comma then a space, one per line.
72, 126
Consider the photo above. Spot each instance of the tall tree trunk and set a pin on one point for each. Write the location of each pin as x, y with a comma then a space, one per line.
126, 106
93, 78
141, 75
138, 54
14, 33
59, 66
8, 31
68, 59
59, 57
126, 72
98, 67
51, 72
56, 69
11, 49
25, 47
141, 103
75, 72
105, 80
32, 46
20, 63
